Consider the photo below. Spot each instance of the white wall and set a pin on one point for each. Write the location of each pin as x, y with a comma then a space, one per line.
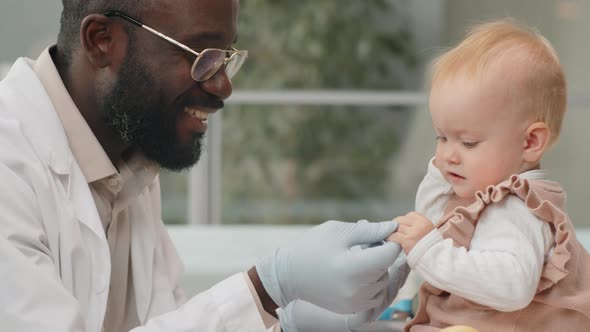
27, 27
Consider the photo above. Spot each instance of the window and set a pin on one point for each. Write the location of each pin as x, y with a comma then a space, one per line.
284, 152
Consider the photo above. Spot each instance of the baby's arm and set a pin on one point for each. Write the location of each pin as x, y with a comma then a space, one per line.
503, 265
433, 195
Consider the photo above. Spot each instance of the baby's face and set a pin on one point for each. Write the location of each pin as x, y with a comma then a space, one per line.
480, 132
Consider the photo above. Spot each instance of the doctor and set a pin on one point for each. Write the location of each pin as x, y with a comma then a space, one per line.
84, 130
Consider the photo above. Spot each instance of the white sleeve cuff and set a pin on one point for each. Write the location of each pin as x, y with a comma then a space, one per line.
268, 276
236, 304
422, 246
267, 318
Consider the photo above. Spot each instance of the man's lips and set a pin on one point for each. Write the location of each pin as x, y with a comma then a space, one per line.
199, 113
195, 118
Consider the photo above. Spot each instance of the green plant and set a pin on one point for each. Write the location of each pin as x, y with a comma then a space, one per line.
292, 154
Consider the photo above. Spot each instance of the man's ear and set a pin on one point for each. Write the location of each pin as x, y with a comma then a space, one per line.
537, 138
100, 40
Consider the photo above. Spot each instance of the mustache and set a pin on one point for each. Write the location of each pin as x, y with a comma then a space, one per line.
213, 103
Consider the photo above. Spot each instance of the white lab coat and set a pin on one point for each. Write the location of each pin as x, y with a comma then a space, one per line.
54, 256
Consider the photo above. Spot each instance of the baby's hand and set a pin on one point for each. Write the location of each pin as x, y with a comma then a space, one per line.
411, 228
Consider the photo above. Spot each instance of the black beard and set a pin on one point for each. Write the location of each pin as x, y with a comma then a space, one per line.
138, 113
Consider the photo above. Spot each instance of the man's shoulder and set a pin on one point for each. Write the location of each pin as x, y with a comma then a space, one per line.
17, 152
30, 128
14, 141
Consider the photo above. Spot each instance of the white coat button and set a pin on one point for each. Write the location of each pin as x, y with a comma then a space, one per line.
113, 182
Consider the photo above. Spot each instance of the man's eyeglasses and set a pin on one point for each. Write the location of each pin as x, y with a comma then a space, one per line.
208, 61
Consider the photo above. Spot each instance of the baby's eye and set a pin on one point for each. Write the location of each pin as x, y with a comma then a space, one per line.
441, 139
470, 145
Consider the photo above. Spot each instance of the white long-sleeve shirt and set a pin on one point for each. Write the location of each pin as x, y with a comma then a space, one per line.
503, 265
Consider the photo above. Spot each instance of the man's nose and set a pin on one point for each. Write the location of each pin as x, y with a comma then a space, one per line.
218, 85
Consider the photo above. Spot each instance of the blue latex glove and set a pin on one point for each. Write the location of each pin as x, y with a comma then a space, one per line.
300, 316
321, 268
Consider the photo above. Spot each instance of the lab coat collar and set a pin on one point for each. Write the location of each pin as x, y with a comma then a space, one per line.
86, 149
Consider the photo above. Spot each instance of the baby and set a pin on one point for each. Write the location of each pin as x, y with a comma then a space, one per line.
490, 235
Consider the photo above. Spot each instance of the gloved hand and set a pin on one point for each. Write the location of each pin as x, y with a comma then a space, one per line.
398, 274
321, 268
301, 316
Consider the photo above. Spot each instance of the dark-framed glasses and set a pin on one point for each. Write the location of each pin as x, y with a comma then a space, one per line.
207, 62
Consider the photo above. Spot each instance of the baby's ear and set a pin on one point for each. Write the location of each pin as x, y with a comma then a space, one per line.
537, 138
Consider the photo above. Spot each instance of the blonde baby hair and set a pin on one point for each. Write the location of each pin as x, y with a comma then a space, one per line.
541, 81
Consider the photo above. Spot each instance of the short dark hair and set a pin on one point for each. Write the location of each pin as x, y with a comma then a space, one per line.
75, 10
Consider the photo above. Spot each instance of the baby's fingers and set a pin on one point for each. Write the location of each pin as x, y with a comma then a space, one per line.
395, 237
402, 221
